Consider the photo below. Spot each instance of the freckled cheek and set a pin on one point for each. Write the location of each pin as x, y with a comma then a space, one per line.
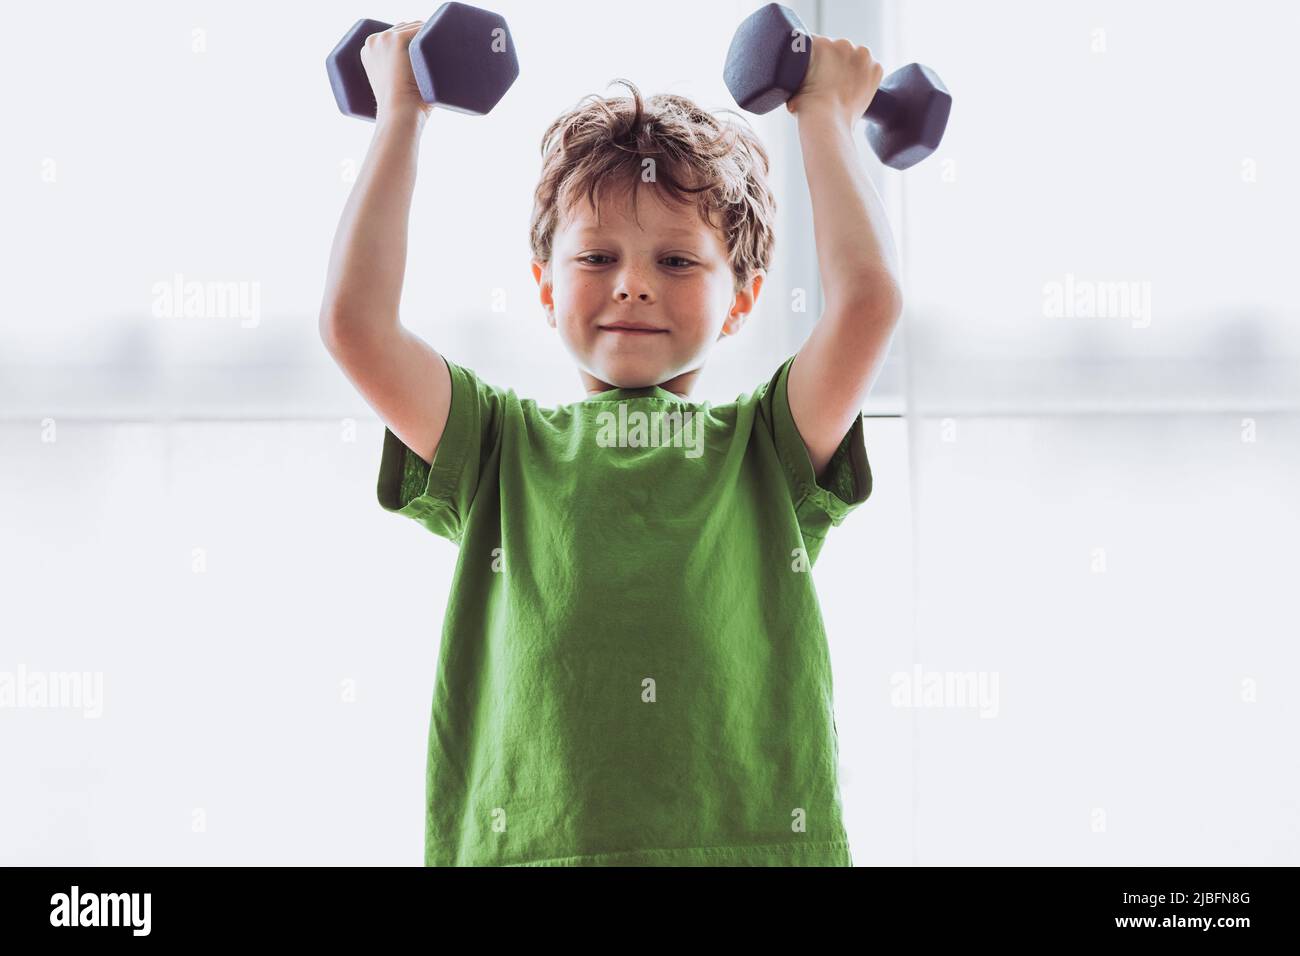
690, 304
583, 300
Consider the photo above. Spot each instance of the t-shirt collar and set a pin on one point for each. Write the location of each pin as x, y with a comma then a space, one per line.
645, 391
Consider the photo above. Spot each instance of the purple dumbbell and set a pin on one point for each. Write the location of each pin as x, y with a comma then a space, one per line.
769, 58
463, 59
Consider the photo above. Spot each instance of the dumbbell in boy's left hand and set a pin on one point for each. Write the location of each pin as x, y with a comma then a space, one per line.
842, 77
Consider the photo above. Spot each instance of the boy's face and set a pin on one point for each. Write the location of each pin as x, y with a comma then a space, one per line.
670, 273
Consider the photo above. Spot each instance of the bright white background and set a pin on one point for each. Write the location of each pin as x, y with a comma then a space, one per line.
1101, 516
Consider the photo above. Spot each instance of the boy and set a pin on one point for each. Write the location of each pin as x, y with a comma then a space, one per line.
633, 667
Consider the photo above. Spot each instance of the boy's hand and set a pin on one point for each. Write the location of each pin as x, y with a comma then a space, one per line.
388, 67
842, 77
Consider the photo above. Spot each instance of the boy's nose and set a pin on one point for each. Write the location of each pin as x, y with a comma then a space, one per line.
630, 283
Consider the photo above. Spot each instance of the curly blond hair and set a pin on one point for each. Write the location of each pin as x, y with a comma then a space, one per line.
601, 144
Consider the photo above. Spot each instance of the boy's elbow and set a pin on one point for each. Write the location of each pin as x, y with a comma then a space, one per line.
337, 328
877, 299
896, 302
329, 328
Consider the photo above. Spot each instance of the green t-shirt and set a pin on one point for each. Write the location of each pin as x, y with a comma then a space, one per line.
633, 668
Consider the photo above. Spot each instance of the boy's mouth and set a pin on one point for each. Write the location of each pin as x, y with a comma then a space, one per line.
628, 328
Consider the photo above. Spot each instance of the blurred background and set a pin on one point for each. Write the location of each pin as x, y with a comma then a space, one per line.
1064, 626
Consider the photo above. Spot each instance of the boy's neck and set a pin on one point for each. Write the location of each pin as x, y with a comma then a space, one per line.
679, 385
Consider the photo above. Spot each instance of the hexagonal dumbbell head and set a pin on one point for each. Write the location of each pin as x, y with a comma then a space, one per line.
908, 115
768, 58
464, 58
347, 73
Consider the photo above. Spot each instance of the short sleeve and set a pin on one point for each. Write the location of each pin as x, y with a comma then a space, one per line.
439, 496
847, 481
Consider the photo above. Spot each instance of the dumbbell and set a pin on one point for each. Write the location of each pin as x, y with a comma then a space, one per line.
463, 58
767, 63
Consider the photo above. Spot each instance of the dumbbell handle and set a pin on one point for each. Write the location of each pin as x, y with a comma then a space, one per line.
884, 107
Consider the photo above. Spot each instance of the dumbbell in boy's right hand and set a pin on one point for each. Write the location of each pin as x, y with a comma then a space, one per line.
462, 59
387, 62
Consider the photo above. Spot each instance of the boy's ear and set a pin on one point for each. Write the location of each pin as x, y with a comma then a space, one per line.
542, 274
743, 305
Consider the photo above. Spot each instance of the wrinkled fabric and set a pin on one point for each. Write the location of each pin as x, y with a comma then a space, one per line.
633, 667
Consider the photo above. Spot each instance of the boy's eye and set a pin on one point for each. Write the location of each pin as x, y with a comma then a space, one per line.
684, 262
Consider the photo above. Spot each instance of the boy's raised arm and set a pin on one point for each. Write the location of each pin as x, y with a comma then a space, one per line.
401, 377
833, 371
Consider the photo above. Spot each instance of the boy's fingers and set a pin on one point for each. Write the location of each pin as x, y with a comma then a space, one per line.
409, 26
